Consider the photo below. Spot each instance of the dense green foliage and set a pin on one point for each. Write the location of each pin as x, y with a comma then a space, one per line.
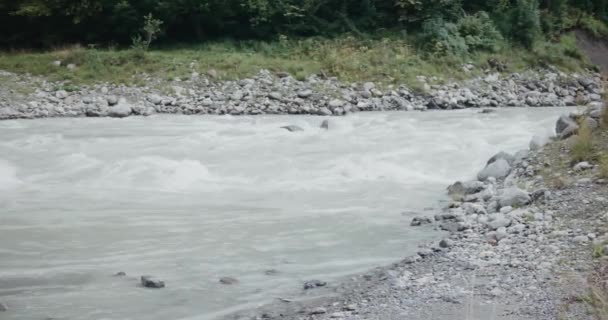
441, 26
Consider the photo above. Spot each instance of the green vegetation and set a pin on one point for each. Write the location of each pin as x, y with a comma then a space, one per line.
375, 40
582, 145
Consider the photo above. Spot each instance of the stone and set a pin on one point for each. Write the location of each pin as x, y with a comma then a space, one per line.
325, 125
3, 307
581, 166
335, 103
71, 66
61, 94
275, 96
569, 131
562, 123
312, 284
591, 123
368, 86
212, 73
446, 243
337, 315
120, 274
465, 188
121, 110
228, 280
514, 197
112, 100
304, 94
155, 99
56, 63
500, 221
502, 155
318, 310
151, 282
498, 169
350, 307
292, 128
580, 239
271, 272
325, 112
418, 221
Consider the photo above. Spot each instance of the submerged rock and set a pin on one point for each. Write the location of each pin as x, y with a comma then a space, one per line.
314, 284
3, 307
151, 282
228, 280
292, 128
418, 221
325, 124
120, 274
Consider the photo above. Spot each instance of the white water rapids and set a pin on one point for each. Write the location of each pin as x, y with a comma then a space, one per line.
192, 199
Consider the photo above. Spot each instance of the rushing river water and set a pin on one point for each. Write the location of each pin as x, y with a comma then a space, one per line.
192, 199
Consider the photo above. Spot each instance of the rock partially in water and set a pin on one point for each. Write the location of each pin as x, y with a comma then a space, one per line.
312, 284
498, 169
418, 221
502, 155
120, 274
325, 124
460, 189
319, 310
563, 123
121, 110
271, 272
228, 280
292, 128
152, 282
3, 307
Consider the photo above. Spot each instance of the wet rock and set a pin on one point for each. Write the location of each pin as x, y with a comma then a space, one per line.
292, 128
446, 243
319, 310
465, 188
228, 280
498, 169
502, 155
312, 284
562, 123
325, 124
151, 282
271, 272
418, 221
3, 307
120, 274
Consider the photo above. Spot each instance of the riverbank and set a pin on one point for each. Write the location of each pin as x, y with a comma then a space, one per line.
27, 97
527, 242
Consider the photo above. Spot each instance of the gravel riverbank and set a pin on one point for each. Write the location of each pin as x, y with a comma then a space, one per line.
24, 96
519, 247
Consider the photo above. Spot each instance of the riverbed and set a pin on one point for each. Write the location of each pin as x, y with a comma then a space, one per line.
194, 199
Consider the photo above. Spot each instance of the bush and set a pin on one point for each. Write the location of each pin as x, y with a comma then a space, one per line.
479, 32
525, 23
582, 146
469, 34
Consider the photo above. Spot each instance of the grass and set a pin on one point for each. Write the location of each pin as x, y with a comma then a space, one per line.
390, 60
582, 146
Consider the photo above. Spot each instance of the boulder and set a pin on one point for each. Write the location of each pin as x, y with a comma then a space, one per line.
335, 103
155, 99
304, 94
3, 307
418, 221
61, 94
459, 189
498, 169
502, 155
292, 128
121, 110
569, 131
112, 100
514, 197
563, 123
151, 282
324, 111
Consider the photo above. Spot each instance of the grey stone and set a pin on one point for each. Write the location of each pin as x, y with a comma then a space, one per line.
319, 310
335, 103
325, 112
580, 239
155, 99
465, 188
120, 274
275, 96
418, 221
121, 110
562, 123
446, 243
56, 63
500, 221
112, 100
502, 155
569, 131
498, 169
61, 94
151, 282
228, 280
292, 128
325, 124
71, 66
312, 284
3, 307
582, 166
514, 197
304, 94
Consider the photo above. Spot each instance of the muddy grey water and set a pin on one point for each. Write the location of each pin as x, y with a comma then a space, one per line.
192, 199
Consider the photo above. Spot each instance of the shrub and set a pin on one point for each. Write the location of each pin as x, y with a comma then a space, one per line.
525, 23
479, 32
603, 166
151, 30
582, 146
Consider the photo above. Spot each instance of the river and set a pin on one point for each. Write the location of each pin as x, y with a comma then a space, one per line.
192, 199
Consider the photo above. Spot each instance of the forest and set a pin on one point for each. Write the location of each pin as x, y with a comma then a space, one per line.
454, 26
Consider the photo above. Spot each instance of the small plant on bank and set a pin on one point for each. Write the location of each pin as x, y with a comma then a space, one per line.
150, 30
582, 146
603, 166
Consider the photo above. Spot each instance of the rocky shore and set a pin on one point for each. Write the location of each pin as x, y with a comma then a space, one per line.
25, 96
520, 245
